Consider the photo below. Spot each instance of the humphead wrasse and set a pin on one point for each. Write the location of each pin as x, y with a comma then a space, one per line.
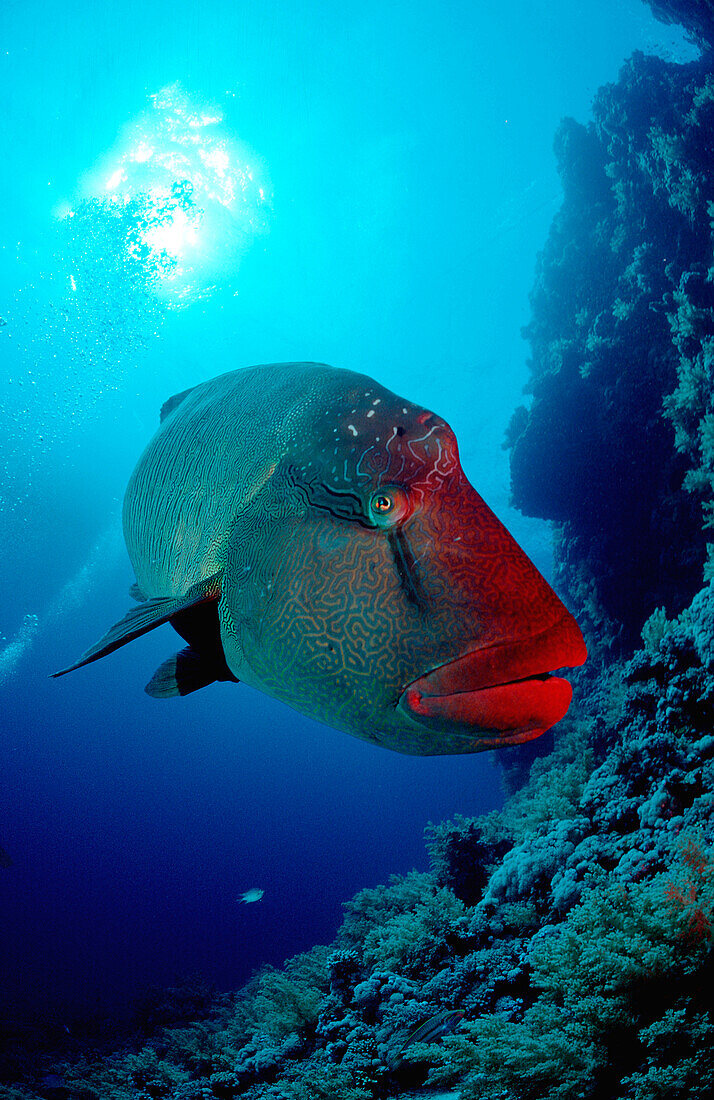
313, 535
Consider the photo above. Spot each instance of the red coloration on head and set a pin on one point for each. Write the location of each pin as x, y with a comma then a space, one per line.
514, 712
514, 629
400, 608
503, 687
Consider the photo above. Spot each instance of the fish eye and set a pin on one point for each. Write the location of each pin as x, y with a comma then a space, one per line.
382, 503
388, 506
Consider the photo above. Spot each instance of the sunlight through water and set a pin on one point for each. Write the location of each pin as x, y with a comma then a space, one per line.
159, 222
199, 196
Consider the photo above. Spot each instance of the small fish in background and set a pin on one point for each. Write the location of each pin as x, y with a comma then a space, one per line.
436, 1026
313, 535
5, 859
254, 894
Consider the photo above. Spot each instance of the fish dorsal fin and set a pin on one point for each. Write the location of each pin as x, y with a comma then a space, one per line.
173, 402
145, 617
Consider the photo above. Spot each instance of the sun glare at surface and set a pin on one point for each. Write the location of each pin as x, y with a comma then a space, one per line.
199, 194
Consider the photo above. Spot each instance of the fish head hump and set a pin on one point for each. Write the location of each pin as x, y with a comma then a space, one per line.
368, 585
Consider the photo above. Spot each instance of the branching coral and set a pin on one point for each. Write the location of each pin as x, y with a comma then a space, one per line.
679, 1058
414, 943
283, 1001
547, 1056
463, 851
372, 907
617, 954
320, 1080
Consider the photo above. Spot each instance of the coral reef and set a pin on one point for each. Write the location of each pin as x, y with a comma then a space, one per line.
617, 446
696, 16
574, 929
563, 946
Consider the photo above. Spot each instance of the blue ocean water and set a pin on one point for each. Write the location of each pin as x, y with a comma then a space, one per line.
371, 185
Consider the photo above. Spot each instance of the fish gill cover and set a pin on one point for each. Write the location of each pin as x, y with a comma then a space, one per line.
574, 928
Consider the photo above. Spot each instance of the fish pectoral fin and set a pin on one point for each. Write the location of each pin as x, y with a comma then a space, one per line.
146, 617
136, 593
183, 673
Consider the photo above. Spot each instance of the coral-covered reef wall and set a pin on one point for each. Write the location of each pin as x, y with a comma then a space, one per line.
617, 446
562, 947
696, 16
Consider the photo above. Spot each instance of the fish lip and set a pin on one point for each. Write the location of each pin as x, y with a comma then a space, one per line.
559, 646
505, 690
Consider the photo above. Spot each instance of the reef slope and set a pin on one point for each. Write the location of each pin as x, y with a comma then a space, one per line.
574, 928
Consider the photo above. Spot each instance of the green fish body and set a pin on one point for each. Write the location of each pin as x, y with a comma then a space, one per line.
313, 535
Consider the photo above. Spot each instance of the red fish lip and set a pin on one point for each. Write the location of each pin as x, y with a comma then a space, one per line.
505, 689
